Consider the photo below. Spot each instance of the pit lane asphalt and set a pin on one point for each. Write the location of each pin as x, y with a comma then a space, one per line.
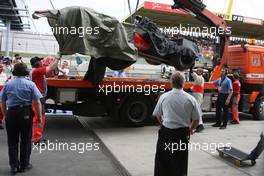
68, 161
135, 147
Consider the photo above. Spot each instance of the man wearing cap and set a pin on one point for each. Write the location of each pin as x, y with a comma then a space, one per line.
17, 98
38, 76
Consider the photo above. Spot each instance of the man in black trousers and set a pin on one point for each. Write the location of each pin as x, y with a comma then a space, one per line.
175, 110
17, 97
225, 91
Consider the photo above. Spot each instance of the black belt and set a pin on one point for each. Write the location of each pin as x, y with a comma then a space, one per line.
177, 130
20, 106
175, 134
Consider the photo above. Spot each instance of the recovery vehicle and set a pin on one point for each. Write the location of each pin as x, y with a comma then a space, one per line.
133, 99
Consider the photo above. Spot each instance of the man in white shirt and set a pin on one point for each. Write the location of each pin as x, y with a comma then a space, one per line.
178, 113
198, 91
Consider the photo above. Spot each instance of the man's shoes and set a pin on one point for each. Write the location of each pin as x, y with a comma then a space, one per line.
14, 170
27, 168
234, 122
199, 128
1, 127
222, 127
216, 125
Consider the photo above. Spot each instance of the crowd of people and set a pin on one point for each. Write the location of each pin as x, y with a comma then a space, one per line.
7, 64
228, 96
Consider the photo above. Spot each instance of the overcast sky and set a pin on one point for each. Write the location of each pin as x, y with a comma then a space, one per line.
119, 8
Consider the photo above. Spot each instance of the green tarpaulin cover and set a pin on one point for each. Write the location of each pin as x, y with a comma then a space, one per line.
85, 31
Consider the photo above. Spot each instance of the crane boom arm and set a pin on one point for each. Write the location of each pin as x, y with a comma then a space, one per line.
201, 13
197, 8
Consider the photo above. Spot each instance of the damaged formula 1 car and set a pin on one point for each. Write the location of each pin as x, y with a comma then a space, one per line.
105, 39
157, 48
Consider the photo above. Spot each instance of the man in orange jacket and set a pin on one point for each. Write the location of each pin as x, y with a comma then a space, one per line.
235, 98
38, 76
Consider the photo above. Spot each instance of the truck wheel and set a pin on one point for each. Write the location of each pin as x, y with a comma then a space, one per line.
258, 112
136, 110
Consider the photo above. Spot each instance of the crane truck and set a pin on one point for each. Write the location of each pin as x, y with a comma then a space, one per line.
132, 100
